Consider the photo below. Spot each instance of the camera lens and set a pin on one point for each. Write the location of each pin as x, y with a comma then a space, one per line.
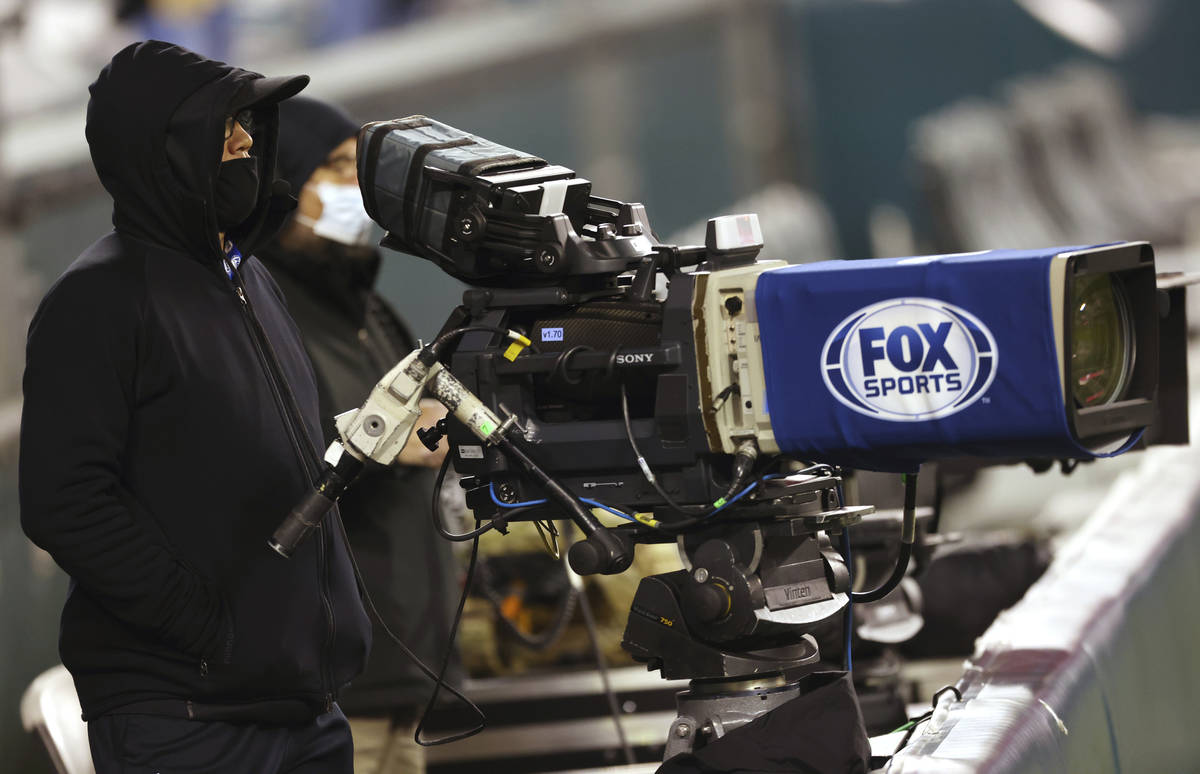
1102, 340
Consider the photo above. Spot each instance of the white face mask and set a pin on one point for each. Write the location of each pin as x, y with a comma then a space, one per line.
343, 217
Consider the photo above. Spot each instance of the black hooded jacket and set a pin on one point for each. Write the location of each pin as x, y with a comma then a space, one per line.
170, 423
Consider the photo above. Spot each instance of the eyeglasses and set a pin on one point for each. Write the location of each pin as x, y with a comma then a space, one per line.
243, 117
341, 165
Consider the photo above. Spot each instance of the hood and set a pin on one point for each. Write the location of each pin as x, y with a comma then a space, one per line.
155, 129
309, 130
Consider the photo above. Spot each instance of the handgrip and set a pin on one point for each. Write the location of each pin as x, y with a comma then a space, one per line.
605, 551
296, 526
318, 502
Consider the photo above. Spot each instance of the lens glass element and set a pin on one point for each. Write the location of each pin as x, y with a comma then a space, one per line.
1101, 340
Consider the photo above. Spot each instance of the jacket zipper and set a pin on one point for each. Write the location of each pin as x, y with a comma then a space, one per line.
274, 380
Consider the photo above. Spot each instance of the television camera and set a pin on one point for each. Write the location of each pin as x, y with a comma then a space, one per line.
705, 397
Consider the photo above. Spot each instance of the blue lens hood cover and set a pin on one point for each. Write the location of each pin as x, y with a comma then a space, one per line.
883, 364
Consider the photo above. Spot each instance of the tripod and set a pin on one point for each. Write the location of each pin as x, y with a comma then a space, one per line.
733, 621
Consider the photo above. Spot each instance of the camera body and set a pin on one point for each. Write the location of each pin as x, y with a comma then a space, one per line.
689, 390
568, 394
875, 364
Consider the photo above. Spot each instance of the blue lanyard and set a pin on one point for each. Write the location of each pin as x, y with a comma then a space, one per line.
232, 260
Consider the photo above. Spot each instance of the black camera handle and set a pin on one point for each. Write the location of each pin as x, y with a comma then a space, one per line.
603, 551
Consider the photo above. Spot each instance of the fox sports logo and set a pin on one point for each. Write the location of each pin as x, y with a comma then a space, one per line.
909, 360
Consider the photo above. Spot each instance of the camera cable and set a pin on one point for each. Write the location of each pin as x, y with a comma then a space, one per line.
744, 460
518, 342
433, 350
908, 533
610, 695
529, 504
848, 619
439, 677
567, 603
911, 726
436, 513
588, 621
440, 682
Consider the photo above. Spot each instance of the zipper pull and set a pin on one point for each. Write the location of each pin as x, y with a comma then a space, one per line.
241, 296
203, 667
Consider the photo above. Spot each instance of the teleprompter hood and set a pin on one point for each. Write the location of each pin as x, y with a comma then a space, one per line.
156, 127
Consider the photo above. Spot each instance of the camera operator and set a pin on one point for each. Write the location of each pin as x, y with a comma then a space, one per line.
325, 263
170, 416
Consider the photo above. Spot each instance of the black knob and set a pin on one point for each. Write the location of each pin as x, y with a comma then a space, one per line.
605, 551
586, 558
708, 602
431, 435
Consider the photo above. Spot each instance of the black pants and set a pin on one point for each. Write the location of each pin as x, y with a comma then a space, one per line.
150, 744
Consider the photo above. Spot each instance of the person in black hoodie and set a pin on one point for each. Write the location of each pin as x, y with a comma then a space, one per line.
170, 422
326, 264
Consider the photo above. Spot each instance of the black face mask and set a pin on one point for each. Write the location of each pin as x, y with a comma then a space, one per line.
236, 191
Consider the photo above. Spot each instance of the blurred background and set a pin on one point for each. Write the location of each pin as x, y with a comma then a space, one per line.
855, 128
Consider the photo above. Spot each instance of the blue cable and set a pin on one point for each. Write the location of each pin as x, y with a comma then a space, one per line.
497, 501
753, 484
602, 506
593, 503
626, 516
849, 622
733, 499
491, 491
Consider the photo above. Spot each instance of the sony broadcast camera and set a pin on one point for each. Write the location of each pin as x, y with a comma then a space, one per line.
875, 364
704, 397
